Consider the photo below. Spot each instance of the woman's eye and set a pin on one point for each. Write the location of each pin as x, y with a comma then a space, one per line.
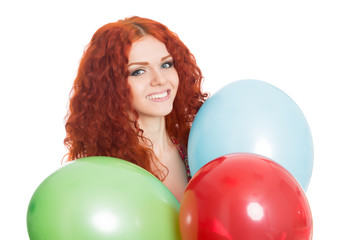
137, 72
167, 65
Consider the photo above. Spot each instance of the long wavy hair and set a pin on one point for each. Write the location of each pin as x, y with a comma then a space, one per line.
98, 122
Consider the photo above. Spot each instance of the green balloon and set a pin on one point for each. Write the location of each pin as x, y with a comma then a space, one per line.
102, 198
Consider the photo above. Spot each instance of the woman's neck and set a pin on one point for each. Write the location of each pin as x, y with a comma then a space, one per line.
155, 130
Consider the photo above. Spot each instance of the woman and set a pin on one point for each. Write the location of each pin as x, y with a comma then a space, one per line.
136, 93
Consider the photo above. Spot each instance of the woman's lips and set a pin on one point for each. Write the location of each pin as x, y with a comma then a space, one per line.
159, 96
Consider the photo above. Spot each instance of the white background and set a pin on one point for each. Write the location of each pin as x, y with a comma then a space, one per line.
309, 49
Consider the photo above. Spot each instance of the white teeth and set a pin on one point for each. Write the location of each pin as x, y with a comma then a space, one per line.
157, 96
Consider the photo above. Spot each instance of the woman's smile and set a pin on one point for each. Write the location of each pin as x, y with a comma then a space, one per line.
159, 96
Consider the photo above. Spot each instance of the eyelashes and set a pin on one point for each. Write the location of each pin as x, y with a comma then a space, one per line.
168, 64
140, 71
137, 72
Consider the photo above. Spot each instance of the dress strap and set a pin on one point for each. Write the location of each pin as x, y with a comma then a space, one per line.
183, 156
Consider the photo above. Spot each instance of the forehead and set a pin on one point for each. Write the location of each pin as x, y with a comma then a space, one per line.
147, 48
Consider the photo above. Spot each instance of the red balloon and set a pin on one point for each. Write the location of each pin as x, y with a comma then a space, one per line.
244, 196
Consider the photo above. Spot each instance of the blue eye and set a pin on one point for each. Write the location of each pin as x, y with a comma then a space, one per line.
167, 65
137, 72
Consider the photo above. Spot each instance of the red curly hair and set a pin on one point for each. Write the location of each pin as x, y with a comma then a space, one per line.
98, 121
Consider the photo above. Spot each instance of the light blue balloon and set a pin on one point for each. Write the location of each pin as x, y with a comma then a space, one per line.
252, 116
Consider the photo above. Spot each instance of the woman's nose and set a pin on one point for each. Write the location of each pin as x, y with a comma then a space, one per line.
157, 78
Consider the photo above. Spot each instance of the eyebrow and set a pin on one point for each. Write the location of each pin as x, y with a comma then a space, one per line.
146, 63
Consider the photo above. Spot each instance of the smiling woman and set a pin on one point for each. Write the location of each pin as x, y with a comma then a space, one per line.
137, 91
153, 78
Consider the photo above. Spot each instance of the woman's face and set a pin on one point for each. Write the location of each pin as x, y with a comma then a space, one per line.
153, 78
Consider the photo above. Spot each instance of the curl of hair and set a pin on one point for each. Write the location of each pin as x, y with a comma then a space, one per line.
98, 122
